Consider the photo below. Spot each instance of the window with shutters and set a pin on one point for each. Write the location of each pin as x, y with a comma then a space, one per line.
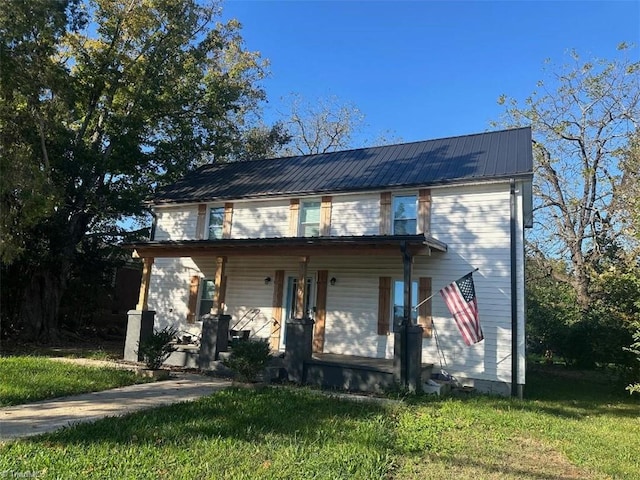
309, 219
405, 218
216, 223
398, 303
205, 304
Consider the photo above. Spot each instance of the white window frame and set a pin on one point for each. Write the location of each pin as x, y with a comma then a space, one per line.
201, 299
301, 224
415, 292
393, 212
210, 210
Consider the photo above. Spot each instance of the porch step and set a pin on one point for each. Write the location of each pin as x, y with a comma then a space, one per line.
224, 356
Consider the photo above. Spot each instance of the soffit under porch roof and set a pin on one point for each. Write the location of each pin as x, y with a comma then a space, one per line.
289, 246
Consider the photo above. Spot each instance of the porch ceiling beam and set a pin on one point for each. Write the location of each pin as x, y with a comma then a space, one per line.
292, 246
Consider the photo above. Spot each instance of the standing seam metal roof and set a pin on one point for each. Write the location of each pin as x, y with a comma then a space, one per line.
468, 158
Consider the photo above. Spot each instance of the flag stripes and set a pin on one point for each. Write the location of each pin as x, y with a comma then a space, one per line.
460, 298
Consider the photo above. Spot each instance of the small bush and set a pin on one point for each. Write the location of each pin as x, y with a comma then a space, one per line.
155, 349
249, 358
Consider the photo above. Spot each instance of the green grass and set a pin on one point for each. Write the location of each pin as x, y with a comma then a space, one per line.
29, 379
569, 428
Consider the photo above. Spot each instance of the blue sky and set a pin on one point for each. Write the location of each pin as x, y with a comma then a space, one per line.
425, 69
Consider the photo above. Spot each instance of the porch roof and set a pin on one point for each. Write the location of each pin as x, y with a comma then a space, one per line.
291, 246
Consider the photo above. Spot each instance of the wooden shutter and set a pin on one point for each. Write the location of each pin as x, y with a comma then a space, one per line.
294, 216
321, 311
424, 211
384, 305
325, 217
425, 318
193, 299
385, 213
200, 221
228, 220
276, 326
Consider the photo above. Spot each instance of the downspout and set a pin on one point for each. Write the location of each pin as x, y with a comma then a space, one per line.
515, 391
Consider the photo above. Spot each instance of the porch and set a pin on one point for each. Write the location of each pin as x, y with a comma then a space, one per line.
299, 363
353, 373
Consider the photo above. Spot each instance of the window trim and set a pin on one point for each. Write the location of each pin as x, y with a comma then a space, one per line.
393, 211
301, 224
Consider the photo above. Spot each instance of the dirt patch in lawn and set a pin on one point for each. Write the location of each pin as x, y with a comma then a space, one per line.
522, 458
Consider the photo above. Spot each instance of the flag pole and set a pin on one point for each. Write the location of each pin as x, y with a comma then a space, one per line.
433, 295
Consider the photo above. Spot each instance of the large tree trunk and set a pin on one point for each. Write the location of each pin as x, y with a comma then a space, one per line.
40, 303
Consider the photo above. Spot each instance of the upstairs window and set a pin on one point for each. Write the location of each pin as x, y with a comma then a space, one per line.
309, 219
405, 215
216, 222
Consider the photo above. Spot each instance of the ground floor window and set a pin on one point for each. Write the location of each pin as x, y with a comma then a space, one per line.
398, 303
206, 296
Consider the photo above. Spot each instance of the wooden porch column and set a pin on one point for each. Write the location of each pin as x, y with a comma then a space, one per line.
220, 282
302, 281
276, 326
144, 284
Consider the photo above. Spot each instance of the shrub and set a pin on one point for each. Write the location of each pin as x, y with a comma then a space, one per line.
248, 359
155, 349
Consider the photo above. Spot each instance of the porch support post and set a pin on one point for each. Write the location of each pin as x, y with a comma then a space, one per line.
220, 286
407, 263
144, 284
302, 281
139, 328
407, 358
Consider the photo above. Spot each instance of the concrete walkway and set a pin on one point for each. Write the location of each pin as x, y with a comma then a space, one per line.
49, 415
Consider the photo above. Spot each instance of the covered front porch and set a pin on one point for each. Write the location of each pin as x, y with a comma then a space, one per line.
308, 255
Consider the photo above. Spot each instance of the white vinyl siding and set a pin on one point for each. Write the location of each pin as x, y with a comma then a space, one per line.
472, 220
355, 214
176, 223
260, 219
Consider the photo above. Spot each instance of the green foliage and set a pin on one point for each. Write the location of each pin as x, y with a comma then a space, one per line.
635, 349
555, 322
249, 358
30, 379
577, 116
156, 348
102, 102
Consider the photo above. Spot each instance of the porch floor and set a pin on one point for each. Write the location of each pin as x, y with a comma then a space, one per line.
377, 364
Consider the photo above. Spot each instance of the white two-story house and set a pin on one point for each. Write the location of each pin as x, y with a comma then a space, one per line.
240, 238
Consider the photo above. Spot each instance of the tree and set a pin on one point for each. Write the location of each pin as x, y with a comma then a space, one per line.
324, 126
101, 101
582, 121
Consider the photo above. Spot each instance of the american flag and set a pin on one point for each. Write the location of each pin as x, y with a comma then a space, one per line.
460, 297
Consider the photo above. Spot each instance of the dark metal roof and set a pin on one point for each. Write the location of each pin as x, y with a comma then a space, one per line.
283, 245
469, 158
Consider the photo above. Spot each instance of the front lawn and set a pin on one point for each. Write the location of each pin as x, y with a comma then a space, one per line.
297, 433
29, 379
